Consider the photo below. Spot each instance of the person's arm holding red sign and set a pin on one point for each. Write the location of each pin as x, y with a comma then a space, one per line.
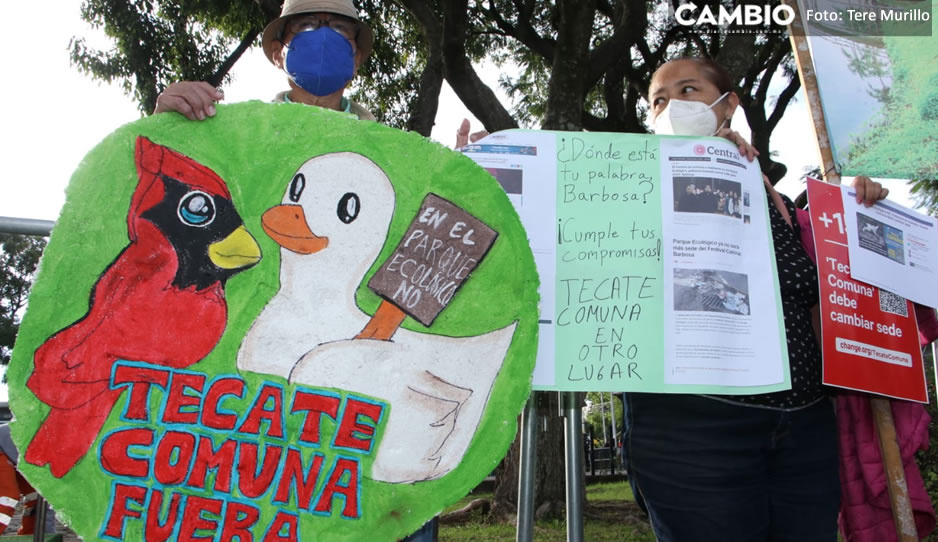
869, 345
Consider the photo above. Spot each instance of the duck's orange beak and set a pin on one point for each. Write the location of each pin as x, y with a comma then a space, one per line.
286, 224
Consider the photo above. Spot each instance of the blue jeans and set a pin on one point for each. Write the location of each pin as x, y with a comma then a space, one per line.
713, 471
427, 533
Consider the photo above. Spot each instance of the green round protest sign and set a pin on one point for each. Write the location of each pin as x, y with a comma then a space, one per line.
281, 323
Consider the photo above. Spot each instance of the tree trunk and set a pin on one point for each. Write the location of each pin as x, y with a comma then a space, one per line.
564, 112
570, 68
462, 77
549, 483
427, 100
505, 499
423, 113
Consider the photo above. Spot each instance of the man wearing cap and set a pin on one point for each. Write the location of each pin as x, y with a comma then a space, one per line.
318, 43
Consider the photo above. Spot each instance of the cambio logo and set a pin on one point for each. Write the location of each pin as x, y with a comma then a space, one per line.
745, 15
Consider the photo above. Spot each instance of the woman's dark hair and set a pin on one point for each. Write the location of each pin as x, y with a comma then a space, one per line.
714, 73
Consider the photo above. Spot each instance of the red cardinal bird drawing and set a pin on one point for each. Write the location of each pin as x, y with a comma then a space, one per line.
161, 301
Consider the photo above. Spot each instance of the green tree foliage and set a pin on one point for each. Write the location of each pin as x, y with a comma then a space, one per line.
19, 256
568, 65
157, 42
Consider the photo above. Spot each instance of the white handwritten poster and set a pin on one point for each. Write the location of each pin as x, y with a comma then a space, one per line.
656, 261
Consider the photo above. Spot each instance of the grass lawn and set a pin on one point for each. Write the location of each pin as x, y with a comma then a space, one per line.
611, 515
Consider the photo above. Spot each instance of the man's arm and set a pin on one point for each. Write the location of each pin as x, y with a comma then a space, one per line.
194, 99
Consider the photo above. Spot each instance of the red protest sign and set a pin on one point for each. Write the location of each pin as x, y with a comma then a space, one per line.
869, 336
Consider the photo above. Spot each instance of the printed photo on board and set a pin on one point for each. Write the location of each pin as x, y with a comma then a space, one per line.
881, 238
706, 195
711, 290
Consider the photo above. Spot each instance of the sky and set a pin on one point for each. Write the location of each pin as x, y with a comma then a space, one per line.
54, 114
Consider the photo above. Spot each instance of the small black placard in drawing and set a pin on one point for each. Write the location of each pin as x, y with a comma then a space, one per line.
437, 254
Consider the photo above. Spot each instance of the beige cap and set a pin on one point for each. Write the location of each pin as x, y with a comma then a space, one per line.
365, 39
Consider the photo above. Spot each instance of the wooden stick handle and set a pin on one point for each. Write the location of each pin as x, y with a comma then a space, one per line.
384, 324
802, 52
882, 412
895, 472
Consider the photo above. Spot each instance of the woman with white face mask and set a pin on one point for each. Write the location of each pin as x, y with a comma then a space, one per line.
694, 96
740, 468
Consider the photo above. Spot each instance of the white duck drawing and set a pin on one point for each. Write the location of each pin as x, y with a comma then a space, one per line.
331, 225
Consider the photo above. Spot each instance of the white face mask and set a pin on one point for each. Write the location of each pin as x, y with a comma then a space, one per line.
688, 118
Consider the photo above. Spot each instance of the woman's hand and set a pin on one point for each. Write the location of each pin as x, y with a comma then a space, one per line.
868, 190
463, 137
745, 148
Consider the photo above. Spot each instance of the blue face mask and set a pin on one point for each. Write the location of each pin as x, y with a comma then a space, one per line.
320, 61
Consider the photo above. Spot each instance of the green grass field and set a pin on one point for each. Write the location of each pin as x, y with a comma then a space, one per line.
611, 515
